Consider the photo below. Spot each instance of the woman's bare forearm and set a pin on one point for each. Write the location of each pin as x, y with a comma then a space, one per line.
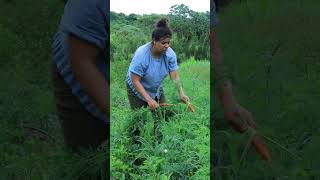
82, 61
215, 49
175, 78
219, 67
97, 89
225, 87
138, 86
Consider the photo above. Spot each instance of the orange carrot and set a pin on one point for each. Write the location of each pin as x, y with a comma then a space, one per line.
165, 104
191, 107
261, 148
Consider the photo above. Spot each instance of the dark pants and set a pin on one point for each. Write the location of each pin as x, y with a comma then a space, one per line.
80, 129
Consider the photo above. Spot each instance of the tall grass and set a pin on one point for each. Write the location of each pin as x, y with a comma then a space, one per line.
183, 151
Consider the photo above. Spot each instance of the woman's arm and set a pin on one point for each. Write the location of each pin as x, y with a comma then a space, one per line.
175, 77
138, 86
232, 110
83, 64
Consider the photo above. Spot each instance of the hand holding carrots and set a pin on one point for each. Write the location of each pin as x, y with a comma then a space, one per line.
241, 119
233, 112
152, 104
190, 106
183, 97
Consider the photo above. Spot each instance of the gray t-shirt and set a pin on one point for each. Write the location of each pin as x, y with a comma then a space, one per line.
88, 20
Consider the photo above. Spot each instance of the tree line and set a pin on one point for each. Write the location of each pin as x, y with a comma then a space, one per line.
190, 33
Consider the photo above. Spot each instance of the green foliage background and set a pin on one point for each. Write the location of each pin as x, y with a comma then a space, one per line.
191, 33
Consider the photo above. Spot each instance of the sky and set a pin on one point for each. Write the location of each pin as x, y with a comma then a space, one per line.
155, 6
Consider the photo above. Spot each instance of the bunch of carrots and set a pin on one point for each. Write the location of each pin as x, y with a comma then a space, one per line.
190, 106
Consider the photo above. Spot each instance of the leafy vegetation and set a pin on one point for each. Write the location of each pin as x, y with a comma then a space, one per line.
183, 151
31, 140
191, 33
179, 147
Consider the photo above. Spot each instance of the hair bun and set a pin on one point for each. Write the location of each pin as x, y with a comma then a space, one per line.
163, 22
161, 30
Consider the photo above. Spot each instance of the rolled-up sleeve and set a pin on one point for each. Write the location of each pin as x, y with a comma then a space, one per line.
138, 65
172, 62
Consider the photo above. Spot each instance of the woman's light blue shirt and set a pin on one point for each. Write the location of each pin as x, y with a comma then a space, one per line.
152, 71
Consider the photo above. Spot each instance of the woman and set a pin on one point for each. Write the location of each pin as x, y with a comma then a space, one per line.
233, 112
150, 64
81, 73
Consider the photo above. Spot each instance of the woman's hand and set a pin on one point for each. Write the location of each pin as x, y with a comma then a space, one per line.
247, 116
240, 118
233, 112
137, 84
152, 104
184, 98
175, 77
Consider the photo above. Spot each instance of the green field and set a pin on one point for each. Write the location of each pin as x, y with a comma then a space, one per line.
184, 149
